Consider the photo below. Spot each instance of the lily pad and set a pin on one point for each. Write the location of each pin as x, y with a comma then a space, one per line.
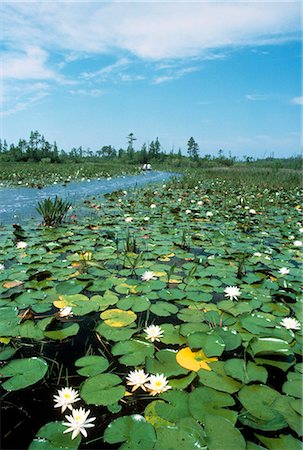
134, 430
133, 353
51, 437
91, 365
102, 389
222, 433
117, 318
23, 373
193, 360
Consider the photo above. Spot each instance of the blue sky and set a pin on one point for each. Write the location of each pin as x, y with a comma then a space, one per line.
89, 73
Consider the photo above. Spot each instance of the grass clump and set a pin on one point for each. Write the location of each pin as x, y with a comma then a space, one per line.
53, 211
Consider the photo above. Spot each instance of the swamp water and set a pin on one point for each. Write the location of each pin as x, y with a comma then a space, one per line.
17, 204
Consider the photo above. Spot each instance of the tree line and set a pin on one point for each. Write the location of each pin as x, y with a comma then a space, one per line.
38, 149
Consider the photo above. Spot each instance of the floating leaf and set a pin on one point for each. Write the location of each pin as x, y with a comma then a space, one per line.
212, 344
221, 433
218, 380
67, 330
103, 389
164, 362
186, 432
283, 442
163, 309
117, 318
258, 400
91, 365
152, 417
205, 401
115, 334
134, 430
245, 371
23, 372
51, 437
175, 406
70, 287
133, 352
193, 360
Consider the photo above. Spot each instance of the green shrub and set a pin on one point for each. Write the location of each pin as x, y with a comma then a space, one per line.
53, 211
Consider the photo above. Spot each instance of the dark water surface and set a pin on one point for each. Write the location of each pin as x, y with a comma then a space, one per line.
18, 204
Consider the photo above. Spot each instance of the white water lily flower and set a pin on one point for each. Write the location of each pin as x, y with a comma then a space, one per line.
146, 219
148, 275
301, 230
257, 254
200, 203
157, 384
2, 267
232, 292
21, 245
129, 219
78, 422
137, 378
209, 214
252, 211
65, 398
298, 243
154, 332
65, 312
152, 206
290, 324
284, 271
188, 211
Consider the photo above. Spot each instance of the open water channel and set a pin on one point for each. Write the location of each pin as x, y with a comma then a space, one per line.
18, 204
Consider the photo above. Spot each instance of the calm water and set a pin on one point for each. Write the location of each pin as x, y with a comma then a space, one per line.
18, 204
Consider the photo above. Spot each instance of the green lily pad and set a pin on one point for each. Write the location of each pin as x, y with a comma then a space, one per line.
218, 379
102, 389
164, 362
115, 334
67, 330
222, 433
204, 401
51, 437
245, 372
91, 365
258, 400
281, 443
163, 309
70, 287
211, 344
186, 432
23, 372
133, 353
134, 430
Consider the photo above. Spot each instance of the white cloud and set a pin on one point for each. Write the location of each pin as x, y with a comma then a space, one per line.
297, 100
27, 65
153, 31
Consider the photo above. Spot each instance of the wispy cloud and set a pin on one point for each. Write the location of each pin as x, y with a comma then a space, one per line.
153, 31
297, 100
257, 97
107, 71
87, 92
